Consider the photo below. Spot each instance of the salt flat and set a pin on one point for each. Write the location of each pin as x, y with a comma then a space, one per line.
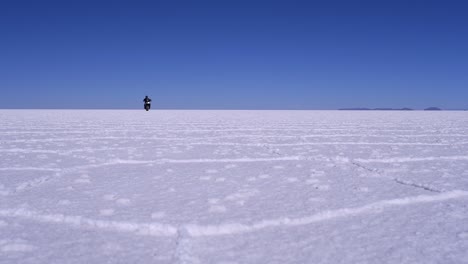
128, 186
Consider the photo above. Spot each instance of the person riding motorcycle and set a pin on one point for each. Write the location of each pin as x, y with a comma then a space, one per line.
147, 102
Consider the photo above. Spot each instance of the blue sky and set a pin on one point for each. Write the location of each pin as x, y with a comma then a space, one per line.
234, 54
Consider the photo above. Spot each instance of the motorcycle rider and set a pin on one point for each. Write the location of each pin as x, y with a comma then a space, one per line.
147, 101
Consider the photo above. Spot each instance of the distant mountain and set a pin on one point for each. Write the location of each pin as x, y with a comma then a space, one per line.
357, 108
376, 109
432, 108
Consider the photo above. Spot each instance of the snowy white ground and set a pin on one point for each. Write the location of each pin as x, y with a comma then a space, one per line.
233, 187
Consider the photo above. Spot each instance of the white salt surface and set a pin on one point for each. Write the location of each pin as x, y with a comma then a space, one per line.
131, 186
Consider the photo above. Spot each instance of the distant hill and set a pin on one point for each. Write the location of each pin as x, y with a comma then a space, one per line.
376, 109
433, 108
357, 108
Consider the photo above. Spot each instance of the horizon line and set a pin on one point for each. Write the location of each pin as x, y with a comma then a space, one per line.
246, 109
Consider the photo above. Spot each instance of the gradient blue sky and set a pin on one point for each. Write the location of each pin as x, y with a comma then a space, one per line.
234, 54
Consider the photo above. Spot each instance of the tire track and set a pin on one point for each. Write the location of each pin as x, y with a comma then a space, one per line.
184, 232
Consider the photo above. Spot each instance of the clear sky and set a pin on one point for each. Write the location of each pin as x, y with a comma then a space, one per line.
234, 54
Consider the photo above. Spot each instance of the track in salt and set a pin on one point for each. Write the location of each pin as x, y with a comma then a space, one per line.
321, 143
192, 230
163, 161
413, 159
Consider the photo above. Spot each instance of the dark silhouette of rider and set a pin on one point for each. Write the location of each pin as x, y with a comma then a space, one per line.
147, 101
